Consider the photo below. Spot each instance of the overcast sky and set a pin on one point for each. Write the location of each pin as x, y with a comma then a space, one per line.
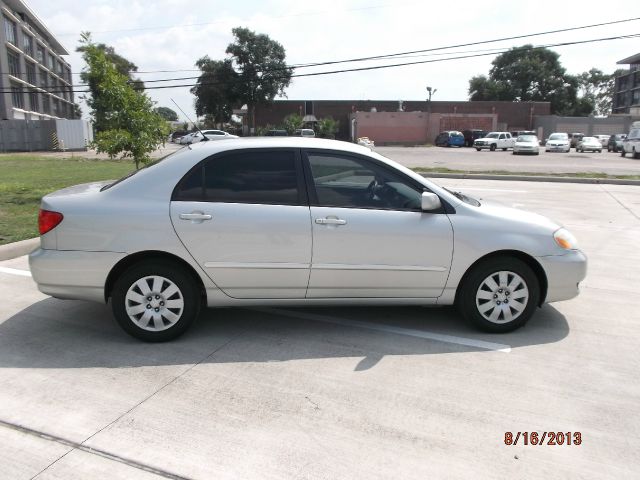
173, 34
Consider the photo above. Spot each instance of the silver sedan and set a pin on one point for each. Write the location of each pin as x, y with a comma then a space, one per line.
293, 221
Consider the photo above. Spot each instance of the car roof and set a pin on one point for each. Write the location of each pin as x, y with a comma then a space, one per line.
279, 142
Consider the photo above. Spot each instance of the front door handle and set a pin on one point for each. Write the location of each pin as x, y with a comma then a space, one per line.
330, 221
195, 216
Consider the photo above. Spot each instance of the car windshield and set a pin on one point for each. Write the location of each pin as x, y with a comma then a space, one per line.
558, 136
527, 138
493, 135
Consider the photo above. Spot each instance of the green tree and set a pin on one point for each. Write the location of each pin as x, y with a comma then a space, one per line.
599, 87
292, 122
328, 127
125, 121
527, 74
215, 89
167, 113
261, 68
122, 65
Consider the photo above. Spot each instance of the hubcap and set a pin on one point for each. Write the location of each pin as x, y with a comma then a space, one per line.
502, 297
154, 303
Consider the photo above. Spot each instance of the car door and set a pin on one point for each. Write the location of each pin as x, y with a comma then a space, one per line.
370, 236
244, 217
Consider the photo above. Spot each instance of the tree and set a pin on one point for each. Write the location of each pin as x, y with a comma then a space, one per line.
527, 74
262, 72
292, 123
125, 121
599, 87
167, 113
328, 127
121, 64
215, 89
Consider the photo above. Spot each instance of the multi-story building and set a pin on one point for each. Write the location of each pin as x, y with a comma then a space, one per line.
627, 88
35, 80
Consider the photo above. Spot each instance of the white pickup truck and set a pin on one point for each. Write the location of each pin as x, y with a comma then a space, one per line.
494, 140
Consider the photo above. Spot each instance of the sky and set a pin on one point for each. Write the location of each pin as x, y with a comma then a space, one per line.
173, 34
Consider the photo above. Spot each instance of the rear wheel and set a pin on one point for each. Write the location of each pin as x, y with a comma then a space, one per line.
622, 152
499, 294
636, 154
504, 149
155, 301
478, 149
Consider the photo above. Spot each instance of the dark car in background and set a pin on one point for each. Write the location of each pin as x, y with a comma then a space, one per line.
472, 135
276, 133
615, 142
451, 138
574, 139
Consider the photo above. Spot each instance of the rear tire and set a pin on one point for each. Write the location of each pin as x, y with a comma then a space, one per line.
478, 149
499, 295
636, 155
155, 300
622, 152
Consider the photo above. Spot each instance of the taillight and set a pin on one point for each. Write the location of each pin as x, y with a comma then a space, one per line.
48, 220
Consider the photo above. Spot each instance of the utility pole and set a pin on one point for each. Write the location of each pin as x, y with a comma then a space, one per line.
430, 91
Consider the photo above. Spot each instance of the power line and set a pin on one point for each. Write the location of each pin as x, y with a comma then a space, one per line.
375, 67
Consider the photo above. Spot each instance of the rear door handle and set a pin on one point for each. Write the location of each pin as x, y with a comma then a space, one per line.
195, 216
330, 221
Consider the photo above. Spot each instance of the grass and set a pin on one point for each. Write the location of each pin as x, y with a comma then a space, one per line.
25, 179
599, 175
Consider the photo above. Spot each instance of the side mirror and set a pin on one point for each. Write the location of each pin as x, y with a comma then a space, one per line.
430, 202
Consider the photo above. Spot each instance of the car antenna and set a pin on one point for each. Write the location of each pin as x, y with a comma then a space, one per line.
204, 137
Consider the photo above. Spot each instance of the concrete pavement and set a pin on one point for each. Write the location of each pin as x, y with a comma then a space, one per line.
337, 392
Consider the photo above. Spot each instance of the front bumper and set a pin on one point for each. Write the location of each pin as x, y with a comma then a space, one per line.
564, 274
72, 274
557, 148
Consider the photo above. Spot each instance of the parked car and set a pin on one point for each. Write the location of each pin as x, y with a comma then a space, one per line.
175, 136
558, 142
517, 133
589, 144
472, 135
527, 144
574, 138
296, 222
211, 135
631, 144
451, 138
603, 139
304, 132
615, 142
276, 133
494, 140
187, 139
365, 142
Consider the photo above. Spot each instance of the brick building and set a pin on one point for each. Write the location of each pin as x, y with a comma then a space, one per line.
509, 115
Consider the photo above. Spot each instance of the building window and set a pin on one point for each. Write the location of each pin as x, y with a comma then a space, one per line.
60, 68
40, 54
27, 43
31, 72
46, 104
44, 79
33, 101
50, 61
55, 107
17, 96
10, 31
14, 63
636, 97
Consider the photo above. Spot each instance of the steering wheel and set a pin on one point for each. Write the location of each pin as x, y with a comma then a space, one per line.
371, 189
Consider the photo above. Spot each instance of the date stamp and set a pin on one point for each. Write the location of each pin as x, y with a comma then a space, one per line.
542, 438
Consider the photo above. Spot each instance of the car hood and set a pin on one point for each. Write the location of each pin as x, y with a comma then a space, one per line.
506, 214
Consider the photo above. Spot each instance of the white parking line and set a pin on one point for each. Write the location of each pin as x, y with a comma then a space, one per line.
469, 342
15, 271
492, 189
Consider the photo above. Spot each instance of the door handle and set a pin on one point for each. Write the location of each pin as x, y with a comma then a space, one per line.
196, 216
330, 221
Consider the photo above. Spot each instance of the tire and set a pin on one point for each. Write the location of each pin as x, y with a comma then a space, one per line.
492, 147
622, 152
478, 149
480, 288
504, 149
168, 282
537, 153
636, 155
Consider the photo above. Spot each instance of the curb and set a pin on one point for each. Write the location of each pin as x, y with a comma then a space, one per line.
18, 249
529, 178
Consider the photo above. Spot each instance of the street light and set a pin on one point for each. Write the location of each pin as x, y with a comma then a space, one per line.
430, 91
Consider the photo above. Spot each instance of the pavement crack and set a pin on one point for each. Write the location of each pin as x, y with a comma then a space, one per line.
81, 446
619, 202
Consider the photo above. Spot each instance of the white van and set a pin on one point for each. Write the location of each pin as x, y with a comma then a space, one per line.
631, 144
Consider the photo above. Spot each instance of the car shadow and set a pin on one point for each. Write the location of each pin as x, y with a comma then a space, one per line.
72, 334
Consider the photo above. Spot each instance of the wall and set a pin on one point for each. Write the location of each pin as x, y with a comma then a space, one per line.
27, 136
414, 128
587, 125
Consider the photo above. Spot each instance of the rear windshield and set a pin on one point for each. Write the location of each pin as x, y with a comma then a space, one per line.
132, 173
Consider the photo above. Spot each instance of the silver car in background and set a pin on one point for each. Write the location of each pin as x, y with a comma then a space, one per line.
526, 144
295, 222
558, 142
589, 144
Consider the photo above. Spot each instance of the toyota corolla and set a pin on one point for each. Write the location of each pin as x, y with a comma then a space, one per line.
294, 222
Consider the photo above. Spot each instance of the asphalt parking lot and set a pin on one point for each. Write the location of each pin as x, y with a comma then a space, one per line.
338, 393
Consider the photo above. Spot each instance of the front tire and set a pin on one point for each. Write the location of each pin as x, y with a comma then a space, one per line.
492, 147
478, 149
155, 301
622, 152
499, 295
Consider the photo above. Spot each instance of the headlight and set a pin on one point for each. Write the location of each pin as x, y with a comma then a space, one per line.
565, 239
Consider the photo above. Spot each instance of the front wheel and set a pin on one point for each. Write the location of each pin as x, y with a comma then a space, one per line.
622, 152
155, 301
478, 149
492, 147
499, 294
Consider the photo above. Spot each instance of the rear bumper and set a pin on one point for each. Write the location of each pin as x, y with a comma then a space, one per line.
72, 274
564, 274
